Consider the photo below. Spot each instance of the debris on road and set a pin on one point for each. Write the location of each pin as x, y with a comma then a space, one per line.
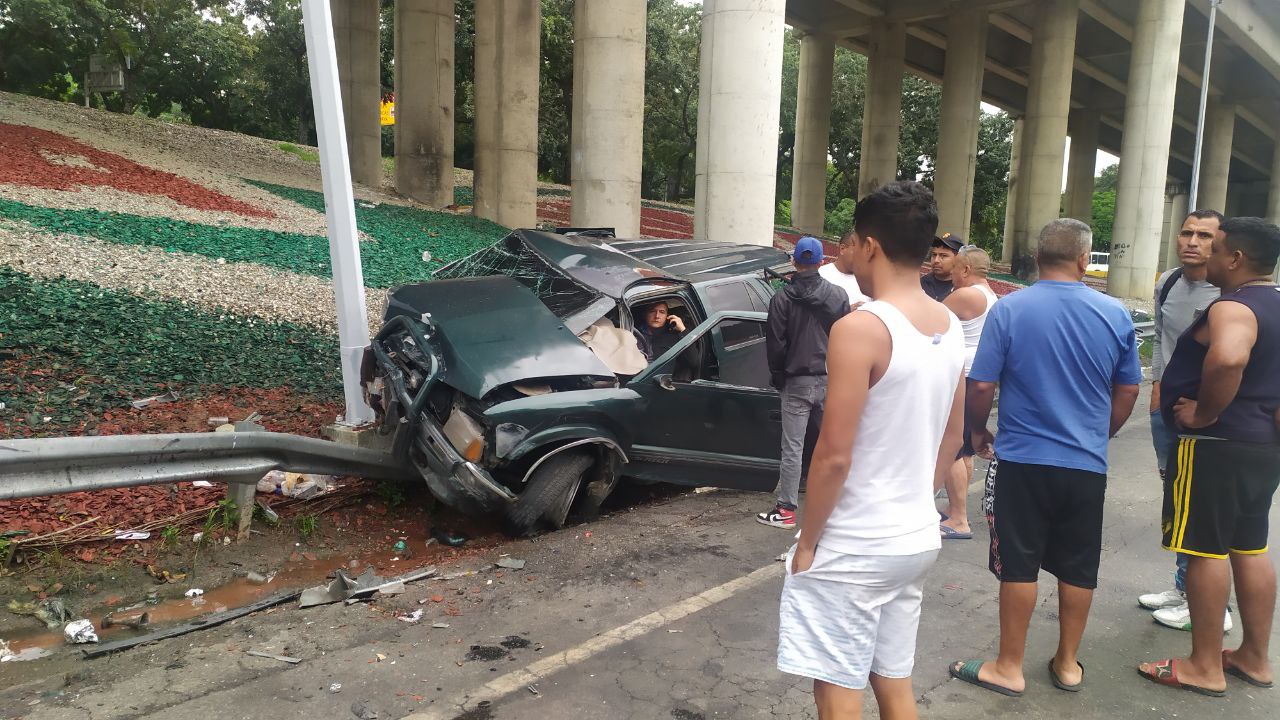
510, 563
362, 711
269, 656
52, 612
5, 653
412, 617
194, 592
343, 587
133, 620
445, 537
80, 632
132, 535
440, 626
335, 688
200, 623
257, 578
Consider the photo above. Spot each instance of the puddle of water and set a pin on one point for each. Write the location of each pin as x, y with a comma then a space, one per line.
31, 653
30, 645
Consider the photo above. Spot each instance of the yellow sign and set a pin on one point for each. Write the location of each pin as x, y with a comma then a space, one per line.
389, 112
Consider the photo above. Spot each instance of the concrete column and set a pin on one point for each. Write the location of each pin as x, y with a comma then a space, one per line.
882, 108
813, 134
608, 114
356, 35
739, 91
960, 115
1215, 158
1178, 211
1083, 126
1144, 150
506, 78
1053, 43
1011, 199
424, 100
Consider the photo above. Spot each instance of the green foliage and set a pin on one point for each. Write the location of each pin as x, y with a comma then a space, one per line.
1108, 179
671, 99
1104, 218
171, 535
840, 218
307, 155
224, 516
307, 525
782, 213
401, 235
127, 347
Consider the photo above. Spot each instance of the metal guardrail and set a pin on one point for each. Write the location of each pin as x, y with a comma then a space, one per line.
49, 466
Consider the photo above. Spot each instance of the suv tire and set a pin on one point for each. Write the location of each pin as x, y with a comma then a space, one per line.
546, 500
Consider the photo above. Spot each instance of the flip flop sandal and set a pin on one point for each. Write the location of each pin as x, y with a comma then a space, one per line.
950, 533
1165, 673
1057, 681
967, 670
1230, 668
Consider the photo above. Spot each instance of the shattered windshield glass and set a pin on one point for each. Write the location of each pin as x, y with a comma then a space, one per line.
513, 258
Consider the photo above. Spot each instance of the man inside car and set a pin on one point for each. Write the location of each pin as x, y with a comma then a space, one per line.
660, 331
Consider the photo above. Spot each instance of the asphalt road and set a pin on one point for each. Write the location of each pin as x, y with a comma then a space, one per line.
667, 610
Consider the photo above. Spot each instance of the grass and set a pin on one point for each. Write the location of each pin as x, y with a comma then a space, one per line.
305, 154
307, 525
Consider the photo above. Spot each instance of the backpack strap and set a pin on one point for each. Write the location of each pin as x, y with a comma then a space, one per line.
1167, 288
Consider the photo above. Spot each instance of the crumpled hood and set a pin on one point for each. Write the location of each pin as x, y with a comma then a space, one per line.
491, 331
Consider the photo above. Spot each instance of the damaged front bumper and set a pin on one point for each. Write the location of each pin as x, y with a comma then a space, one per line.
420, 440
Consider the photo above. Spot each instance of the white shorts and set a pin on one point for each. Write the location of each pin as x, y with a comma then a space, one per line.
851, 615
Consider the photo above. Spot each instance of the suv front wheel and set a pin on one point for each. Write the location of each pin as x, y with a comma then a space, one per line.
547, 498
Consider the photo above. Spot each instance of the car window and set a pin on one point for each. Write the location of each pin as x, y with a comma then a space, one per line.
731, 296
738, 357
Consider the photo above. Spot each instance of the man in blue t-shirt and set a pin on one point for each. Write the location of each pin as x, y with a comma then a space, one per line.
1066, 360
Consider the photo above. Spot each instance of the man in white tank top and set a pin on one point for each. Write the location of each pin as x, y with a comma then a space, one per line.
850, 605
971, 301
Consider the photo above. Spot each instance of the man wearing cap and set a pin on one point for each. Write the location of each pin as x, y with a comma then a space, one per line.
800, 318
942, 257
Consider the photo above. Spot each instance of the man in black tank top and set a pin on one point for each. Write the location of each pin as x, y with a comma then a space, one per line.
1220, 390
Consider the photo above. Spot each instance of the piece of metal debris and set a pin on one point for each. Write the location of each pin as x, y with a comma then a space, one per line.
269, 656
79, 632
510, 563
440, 626
534, 690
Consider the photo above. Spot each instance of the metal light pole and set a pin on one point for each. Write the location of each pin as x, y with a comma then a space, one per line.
1204, 100
339, 204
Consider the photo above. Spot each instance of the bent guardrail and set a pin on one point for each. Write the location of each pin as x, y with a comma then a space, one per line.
50, 466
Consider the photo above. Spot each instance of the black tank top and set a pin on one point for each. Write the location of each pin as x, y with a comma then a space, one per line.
1251, 415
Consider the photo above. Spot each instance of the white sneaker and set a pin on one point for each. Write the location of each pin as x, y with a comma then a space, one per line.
1179, 618
1166, 599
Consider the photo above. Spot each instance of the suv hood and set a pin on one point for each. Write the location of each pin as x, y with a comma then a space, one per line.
491, 331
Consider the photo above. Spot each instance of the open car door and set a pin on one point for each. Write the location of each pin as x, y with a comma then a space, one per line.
710, 416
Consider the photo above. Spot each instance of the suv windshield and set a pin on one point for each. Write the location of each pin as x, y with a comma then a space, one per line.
513, 258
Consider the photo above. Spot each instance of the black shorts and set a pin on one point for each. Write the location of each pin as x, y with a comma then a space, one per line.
1043, 516
1217, 494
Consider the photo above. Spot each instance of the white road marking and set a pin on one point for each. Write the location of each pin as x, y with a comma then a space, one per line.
521, 679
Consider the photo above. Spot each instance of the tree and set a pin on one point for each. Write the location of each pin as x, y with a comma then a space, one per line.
1108, 179
671, 99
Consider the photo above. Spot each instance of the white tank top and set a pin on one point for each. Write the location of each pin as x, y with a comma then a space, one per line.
886, 507
973, 329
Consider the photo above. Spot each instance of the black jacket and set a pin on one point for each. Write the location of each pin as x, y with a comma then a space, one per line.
800, 319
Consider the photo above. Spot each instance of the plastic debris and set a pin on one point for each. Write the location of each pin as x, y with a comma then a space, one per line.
444, 537
335, 688
440, 626
197, 537
215, 421
296, 485
5, 653
154, 400
80, 632
412, 617
201, 484
194, 592
269, 656
510, 563
132, 535
52, 612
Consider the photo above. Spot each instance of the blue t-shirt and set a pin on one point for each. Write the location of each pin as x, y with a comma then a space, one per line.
1057, 348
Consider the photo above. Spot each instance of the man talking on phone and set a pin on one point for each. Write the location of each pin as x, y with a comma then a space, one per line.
800, 319
661, 331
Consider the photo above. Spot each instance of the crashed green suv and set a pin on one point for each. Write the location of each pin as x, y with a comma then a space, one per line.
514, 383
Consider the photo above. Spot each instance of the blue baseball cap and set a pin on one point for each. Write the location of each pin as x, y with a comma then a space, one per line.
808, 251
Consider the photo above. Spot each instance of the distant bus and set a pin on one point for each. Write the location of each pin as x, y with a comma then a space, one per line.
1099, 262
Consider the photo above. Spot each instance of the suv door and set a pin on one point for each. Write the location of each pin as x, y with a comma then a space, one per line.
722, 426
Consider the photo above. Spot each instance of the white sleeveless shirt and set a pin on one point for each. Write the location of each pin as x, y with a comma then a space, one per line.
886, 506
973, 328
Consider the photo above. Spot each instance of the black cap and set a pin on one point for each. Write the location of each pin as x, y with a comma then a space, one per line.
948, 240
